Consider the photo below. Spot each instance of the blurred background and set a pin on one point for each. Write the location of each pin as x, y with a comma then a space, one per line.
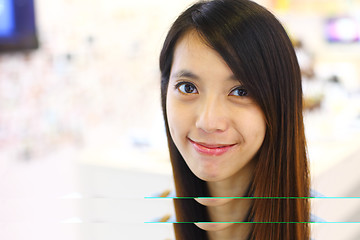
82, 140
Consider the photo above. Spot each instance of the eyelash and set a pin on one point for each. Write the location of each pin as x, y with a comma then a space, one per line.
244, 91
180, 84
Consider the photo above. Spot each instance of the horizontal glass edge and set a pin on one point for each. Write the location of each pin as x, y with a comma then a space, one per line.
252, 222
253, 197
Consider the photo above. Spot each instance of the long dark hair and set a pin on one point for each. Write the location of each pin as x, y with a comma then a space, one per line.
257, 49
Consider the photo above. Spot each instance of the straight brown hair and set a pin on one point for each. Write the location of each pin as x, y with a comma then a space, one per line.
257, 49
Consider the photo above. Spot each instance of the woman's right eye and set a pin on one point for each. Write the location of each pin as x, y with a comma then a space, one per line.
186, 88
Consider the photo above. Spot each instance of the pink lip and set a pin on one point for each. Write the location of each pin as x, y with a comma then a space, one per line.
211, 149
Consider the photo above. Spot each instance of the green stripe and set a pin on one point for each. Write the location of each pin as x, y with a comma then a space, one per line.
253, 197
252, 222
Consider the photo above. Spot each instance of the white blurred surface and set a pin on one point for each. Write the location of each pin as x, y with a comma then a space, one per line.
82, 139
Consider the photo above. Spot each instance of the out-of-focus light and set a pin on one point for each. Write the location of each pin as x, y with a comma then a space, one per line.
346, 28
342, 29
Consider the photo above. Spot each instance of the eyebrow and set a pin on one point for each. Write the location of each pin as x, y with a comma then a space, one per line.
191, 75
185, 73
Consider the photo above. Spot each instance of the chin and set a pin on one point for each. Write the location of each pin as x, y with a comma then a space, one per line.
209, 176
213, 226
213, 202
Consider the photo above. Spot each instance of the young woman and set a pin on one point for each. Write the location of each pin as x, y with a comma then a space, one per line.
232, 103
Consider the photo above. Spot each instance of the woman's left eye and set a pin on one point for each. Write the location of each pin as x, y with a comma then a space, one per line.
240, 91
186, 88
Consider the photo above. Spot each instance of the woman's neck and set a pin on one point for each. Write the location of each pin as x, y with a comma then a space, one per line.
228, 209
236, 185
236, 231
226, 218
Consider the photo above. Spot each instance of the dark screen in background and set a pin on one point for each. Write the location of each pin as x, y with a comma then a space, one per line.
17, 25
7, 21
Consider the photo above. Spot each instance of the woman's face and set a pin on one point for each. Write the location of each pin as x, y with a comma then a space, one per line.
213, 120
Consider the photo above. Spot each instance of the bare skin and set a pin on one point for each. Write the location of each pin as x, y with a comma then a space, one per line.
228, 210
218, 128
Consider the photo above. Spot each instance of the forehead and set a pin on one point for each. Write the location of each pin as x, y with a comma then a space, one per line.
191, 41
193, 53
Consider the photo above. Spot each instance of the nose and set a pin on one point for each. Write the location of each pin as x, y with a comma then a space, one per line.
212, 116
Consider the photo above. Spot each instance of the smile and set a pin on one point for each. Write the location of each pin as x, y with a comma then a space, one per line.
211, 149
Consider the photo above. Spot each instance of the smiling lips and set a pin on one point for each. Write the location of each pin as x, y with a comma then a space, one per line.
211, 149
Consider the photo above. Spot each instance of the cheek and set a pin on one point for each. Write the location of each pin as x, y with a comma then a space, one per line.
260, 126
180, 115
175, 117
256, 127
169, 111
179, 122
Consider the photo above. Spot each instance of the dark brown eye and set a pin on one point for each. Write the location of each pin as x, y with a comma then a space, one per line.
187, 88
240, 91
